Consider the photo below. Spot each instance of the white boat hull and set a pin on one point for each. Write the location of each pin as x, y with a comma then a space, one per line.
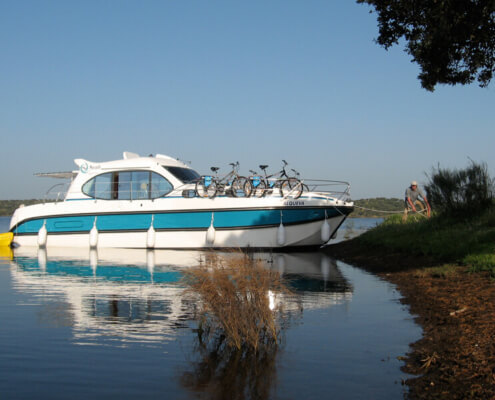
302, 235
180, 223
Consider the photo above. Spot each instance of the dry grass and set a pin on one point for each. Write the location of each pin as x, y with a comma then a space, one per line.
237, 301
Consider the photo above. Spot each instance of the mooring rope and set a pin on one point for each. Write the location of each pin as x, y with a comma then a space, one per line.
390, 212
382, 211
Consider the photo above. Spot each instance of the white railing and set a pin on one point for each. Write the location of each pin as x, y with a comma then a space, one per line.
336, 189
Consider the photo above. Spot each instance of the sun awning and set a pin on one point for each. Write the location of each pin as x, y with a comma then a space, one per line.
59, 175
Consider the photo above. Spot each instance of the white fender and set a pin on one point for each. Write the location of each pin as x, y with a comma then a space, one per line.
150, 237
210, 233
93, 235
42, 235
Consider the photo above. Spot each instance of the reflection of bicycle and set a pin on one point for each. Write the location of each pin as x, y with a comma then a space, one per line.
231, 184
287, 185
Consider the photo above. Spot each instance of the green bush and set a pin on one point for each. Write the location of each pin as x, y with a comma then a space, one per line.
461, 193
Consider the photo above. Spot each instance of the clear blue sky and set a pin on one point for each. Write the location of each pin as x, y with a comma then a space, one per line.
218, 81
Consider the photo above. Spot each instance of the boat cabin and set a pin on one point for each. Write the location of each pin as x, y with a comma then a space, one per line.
132, 178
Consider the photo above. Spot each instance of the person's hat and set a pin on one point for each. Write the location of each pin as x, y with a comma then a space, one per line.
414, 183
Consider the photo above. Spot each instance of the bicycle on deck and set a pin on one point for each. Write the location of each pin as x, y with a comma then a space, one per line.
260, 186
231, 184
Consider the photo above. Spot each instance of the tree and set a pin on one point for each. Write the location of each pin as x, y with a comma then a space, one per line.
453, 41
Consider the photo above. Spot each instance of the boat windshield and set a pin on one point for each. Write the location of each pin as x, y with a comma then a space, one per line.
185, 175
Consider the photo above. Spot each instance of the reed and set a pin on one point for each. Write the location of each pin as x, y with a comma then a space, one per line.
237, 301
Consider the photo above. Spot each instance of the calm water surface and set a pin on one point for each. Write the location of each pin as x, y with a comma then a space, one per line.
116, 324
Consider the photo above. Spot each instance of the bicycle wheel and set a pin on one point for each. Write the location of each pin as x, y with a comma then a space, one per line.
200, 188
211, 191
238, 187
292, 188
206, 187
260, 189
248, 188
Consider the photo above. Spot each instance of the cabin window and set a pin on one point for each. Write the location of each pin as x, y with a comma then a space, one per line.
185, 175
127, 185
99, 187
159, 186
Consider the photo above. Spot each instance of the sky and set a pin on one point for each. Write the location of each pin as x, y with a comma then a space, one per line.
214, 82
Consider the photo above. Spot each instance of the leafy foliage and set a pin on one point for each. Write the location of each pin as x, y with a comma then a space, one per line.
453, 41
461, 192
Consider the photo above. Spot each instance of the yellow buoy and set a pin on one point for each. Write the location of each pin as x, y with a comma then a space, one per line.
6, 239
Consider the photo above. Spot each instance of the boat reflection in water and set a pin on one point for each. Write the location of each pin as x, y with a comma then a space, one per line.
114, 296
120, 297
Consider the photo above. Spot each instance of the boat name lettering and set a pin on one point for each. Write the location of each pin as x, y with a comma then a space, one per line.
293, 203
85, 167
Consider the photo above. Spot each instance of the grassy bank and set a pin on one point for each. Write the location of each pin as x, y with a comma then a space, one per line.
466, 241
431, 262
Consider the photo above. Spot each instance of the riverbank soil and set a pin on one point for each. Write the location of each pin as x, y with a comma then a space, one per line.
455, 359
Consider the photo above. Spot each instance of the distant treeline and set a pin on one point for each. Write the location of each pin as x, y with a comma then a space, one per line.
373, 206
7, 207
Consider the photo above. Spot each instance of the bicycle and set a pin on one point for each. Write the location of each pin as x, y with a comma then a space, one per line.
260, 186
295, 184
231, 184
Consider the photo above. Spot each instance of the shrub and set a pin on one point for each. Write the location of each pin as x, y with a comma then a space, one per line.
237, 302
461, 192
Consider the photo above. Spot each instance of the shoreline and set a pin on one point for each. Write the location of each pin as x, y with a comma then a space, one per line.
455, 358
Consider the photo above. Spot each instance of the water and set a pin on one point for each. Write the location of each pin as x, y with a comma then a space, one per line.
116, 324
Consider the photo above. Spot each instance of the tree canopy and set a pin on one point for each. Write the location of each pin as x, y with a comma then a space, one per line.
453, 41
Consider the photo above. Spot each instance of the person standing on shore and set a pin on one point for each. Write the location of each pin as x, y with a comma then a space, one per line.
413, 193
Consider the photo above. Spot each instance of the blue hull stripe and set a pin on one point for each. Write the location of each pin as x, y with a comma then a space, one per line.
176, 221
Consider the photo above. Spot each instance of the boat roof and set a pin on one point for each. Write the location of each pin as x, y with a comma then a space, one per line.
131, 160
